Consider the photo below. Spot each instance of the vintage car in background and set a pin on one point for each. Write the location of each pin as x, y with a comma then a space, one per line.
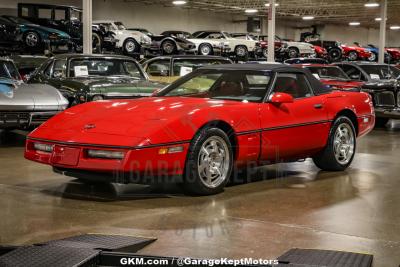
280, 47
203, 127
297, 49
25, 105
167, 69
128, 41
167, 45
392, 55
67, 19
205, 47
27, 64
241, 48
82, 78
25, 35
320, 52
354, 52
306, 60
381, 81
334, 49
332, 76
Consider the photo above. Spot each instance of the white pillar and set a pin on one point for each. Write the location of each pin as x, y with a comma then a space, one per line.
271, 31
382, 32
87, 26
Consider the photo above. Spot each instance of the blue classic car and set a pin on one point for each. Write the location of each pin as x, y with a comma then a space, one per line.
17, 31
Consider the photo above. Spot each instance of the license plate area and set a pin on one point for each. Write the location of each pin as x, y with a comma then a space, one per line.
65, 155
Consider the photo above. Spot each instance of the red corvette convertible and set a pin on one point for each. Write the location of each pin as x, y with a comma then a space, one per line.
203, 126
353, 53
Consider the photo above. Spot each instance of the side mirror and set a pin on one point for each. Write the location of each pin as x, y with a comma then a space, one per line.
280, 98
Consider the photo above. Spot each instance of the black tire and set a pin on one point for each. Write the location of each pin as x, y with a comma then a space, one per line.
32, 39
265, 52
335, 54
373, 57
352, 56
293, 52
97, 42
130, 46
326, 159
168, 47
205, 50
241, 52
193, 183
381, 122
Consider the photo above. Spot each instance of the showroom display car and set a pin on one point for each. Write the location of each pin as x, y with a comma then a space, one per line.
167, 45
353, 53
320, 52
23, 35
392, 55
279, 45
25, 105
204, 125
381, 81
241, 48
306, 60
294, 49
82, 78
334, 49
167, 69
332, 76
67, 19
205, 47
129, 41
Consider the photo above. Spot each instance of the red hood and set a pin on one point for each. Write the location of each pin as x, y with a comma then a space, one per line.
342, 84
357, 48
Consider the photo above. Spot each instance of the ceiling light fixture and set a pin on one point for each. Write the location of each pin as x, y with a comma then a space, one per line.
371, 4
378, 19
179, 3
308, 18
267, 4
251, 11
395, 27
354, 23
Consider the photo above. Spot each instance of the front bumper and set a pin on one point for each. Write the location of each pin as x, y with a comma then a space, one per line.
24, 120
140, 164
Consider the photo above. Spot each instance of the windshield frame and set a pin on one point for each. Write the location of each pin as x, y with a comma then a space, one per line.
381, 66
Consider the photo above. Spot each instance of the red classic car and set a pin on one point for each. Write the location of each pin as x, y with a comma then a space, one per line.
205, 126
320, 52
394, 54
332, 76
353, 53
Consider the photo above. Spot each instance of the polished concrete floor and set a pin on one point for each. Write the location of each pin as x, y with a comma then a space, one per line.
296, 206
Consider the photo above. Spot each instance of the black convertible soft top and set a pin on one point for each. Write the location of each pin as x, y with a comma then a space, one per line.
317, 87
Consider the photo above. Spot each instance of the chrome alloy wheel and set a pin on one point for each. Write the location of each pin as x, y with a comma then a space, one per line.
213, 162
168, 47
241, 51
372, 57
205, 50
32, 39
130, 46
343, 143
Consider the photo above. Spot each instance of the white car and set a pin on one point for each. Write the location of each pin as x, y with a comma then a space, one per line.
129, 41
205, 47
297, 49
240, 47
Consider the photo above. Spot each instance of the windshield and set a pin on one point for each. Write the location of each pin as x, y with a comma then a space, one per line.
227, 35
104, 67
328, 73
18, 20
109, 26
381, 72
184, 66
8, 70
76, 14
120, 25
235, 85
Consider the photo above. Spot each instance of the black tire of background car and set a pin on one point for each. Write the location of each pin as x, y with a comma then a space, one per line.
373, 57
168, 47
32, 39
335, 54
293, 52
381, 122
192, 181
352, 56
97, 42
326, 159
265, 52
241, 52
130, 46
205, 47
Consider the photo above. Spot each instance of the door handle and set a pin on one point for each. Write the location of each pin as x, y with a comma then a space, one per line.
318, 106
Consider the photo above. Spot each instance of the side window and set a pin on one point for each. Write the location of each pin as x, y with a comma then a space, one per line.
60, 14
353, 72
44, 13
48, 69
294, 84
158, 68
59, 69
24, 12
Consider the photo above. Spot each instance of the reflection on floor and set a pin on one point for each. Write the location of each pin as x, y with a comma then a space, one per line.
283, 206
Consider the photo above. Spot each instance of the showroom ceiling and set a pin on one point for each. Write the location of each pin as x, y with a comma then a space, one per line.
337, 11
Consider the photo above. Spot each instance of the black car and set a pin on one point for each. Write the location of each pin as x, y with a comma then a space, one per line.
67, 19
27, 64
167, 45
382, 82
82, 78
306, 60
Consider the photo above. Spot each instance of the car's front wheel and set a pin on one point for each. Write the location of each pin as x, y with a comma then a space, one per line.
353, 56
205, 50
241, 51
335, 54
209, 162
32, 39
373, 57
168, 47
340, 148
130, 46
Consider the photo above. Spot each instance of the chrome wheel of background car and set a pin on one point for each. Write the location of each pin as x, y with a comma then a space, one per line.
343, 143
372, 57
352, 56
265, 52
292, 53
168, 47
241, 51
31, 39
97, 98
213, 162
130, 46
205, 49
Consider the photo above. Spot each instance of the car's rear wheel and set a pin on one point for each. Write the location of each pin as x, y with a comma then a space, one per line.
205, 50
32, 39
209, 162
130, 46
168, 47
353, 56
341, 146
265, 52
335, 54
293, 52
241, 51
373, 57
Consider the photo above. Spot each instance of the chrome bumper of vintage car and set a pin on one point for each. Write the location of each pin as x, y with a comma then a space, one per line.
22, 119
386, 112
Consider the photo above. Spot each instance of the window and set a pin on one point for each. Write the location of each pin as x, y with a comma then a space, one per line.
76, 14
182, 67
59, 69
381, 72
328, 73
24, 12
44, 13
294, 84
222, 84
353, 73
159, 68
60, 14
8, 70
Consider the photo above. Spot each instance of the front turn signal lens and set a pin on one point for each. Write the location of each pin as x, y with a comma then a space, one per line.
170, 150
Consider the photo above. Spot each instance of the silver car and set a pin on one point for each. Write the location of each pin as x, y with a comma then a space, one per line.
25, 105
